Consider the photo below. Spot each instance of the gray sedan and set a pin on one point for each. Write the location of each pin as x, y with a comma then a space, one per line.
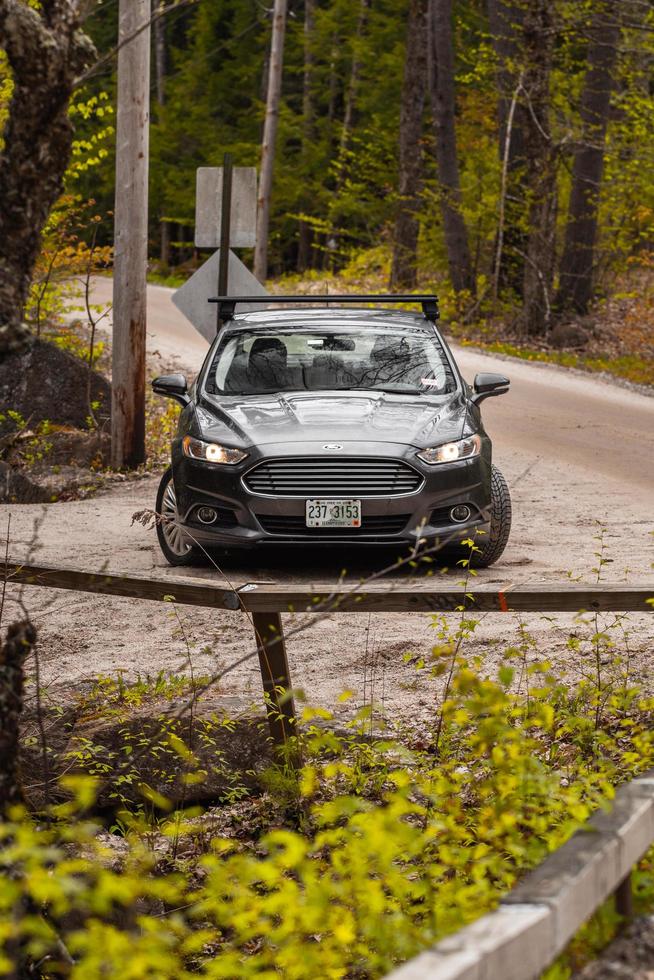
331, 426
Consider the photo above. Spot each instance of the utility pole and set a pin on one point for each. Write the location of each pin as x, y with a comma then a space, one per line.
131, 236
269, 137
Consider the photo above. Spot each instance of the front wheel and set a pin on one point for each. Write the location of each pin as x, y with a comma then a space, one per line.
173, 540
493, 544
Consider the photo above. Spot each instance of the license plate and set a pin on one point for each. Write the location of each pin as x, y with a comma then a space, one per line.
333, 513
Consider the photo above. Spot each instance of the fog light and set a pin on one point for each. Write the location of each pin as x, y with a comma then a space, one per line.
460, 514
206, 515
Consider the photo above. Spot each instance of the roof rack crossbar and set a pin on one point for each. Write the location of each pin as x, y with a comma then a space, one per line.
429, 302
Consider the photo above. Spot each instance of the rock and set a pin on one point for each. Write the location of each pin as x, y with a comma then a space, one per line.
568, 335
71, 447
17, 488
230, 742
45, 382
62, 482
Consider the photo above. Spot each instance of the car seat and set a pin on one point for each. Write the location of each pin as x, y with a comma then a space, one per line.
326, 371
267, 364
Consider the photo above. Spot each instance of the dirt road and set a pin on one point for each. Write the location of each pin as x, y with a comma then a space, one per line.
578, 454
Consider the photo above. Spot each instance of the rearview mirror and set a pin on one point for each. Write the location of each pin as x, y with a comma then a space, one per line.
172, 386
488, 385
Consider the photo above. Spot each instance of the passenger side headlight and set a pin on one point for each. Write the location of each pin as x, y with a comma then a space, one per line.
211, 452
450, 452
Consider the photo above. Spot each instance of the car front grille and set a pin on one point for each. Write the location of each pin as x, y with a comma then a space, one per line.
276, 524
324, 477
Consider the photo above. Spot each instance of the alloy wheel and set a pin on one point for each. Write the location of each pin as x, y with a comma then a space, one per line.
176, 539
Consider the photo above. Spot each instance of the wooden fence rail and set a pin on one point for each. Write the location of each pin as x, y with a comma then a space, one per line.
265, 603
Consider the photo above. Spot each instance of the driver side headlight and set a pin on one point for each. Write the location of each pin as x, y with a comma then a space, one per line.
450, 452
211, 452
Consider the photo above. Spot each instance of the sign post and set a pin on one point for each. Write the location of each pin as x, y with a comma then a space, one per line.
225, 229
225, 215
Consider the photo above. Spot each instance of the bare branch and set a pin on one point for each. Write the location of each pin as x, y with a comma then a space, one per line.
106, 59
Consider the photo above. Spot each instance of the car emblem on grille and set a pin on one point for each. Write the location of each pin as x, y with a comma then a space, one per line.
332, 447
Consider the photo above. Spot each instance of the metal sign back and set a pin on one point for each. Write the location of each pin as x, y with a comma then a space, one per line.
208, 201
192, 299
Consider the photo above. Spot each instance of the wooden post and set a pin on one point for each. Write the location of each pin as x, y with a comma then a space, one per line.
276, 677
624, 899
131, 236
269, 138
225, 230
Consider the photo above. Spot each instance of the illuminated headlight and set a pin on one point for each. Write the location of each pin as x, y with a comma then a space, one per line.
450, 452
211, 452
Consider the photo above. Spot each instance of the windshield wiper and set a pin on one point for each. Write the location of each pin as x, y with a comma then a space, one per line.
398, 391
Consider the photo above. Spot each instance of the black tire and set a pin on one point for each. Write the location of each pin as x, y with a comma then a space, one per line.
493, 544
174, 543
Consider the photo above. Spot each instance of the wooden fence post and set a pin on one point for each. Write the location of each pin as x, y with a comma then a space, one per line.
276, 678
624, 898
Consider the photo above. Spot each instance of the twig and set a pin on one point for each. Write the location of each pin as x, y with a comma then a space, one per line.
109, 57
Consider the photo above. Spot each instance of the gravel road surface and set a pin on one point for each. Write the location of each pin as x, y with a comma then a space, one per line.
575, 450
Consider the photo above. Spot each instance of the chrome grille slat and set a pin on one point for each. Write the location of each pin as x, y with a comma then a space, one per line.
317, 476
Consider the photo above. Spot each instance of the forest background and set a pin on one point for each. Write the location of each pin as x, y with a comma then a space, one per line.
498, 151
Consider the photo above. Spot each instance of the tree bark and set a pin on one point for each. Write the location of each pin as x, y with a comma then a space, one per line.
540, 162
506, 20
131, 237
18, 644
46, 51
404, 271
576, 268
269, 138
442, 93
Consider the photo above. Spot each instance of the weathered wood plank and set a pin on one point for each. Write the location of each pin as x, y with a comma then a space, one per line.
275, 677
427, 596
130, 586
383, 596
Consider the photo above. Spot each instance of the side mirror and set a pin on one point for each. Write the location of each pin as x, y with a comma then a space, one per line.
488, 385
172, 386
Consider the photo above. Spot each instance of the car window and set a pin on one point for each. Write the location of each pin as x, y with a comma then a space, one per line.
266, 361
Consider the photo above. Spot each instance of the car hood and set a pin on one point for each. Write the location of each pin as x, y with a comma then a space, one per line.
420, 420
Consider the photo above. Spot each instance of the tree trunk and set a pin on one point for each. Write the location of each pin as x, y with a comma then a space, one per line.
540, 157
441, 89
160, 59
405, 240
269, 138
46, 51
17, 646
131, 237
352, 89
506, 18
160, 67
342, 162
308, 125
576, 269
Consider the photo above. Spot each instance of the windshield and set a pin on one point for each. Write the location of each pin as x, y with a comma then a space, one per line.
268, 361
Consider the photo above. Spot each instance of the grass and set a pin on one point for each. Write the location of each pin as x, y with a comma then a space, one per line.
631, 367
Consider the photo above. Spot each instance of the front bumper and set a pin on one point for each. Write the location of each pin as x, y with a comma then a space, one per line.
249, 520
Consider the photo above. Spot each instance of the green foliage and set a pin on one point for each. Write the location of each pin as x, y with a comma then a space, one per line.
383, 842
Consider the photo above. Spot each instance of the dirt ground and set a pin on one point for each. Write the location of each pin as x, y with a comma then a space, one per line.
80, 636
578, 455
